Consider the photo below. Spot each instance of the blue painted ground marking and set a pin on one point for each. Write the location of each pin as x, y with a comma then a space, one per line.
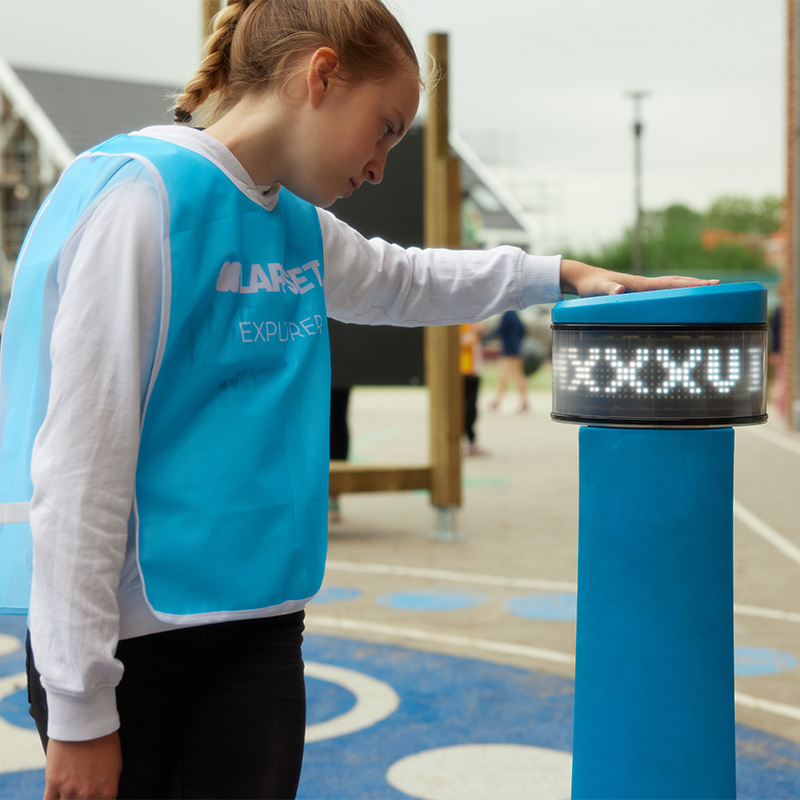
17, 627
766, 766
433, 600
326, 700
336, 594
761, 661
559, 606
14, 707
445, 701
22, 785
14, 710
27, 785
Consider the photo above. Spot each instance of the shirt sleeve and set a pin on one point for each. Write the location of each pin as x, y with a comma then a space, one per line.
372, 282
84, 457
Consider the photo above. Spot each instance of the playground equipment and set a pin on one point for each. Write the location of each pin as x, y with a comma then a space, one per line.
657, 379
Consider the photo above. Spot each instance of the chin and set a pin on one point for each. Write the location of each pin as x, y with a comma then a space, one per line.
316, 199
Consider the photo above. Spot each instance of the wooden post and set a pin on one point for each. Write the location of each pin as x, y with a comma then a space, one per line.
210, 9
443, 229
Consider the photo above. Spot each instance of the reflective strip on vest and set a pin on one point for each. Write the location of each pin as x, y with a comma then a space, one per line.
11, 513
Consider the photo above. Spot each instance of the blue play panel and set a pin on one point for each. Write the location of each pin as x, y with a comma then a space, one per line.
389, 722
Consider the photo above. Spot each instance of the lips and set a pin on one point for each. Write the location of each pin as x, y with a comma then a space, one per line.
351, 187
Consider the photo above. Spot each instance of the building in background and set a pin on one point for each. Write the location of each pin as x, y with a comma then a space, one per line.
46, 118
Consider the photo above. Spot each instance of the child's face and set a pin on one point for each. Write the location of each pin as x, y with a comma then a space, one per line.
352, 133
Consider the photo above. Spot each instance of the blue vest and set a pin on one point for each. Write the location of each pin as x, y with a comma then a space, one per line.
232, 478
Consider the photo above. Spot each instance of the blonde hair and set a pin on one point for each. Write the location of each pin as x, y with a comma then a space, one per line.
253, 43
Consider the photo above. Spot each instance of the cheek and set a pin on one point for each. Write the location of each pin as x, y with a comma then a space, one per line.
364, 144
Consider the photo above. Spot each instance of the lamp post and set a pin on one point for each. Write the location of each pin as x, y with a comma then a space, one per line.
638, 128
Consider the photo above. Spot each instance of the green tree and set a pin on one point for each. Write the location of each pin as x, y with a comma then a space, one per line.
746, 215
672, 239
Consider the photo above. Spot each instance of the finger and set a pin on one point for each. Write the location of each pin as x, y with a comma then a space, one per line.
638, 283
683, 281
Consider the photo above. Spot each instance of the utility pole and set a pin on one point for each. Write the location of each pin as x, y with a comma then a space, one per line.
638, 128
790, 338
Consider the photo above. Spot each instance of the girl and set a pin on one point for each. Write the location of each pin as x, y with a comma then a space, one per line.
166, 345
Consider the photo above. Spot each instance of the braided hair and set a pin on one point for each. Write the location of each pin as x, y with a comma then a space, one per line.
214, 69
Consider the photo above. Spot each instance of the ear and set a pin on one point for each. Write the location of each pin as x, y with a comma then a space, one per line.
321, 68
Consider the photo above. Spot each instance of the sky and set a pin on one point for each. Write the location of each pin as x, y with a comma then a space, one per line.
537, 87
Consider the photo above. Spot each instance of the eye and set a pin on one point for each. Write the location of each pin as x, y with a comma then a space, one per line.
387, 131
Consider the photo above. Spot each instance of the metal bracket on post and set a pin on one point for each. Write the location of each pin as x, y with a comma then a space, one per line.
445, 525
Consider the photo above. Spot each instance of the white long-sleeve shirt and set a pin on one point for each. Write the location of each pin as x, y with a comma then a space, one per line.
87, 593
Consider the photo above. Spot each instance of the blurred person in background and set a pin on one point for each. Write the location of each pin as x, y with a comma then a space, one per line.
471, 364
511, 333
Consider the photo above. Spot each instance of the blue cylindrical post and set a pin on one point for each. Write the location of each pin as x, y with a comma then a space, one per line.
658, 379
654, 652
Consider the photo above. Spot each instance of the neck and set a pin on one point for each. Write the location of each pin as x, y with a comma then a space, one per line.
254, 133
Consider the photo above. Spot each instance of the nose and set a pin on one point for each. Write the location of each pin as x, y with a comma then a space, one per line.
375, 167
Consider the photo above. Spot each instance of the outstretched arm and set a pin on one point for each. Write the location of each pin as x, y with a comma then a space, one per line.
585, 281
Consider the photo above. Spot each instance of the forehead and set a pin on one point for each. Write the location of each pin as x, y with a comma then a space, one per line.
401, 93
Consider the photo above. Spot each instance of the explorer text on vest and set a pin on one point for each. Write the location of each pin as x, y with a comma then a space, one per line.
282, 331
298, 280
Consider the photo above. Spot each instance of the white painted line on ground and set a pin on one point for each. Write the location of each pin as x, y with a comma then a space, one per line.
436, 637
766, 613
470, 771
766, 532
395, 632
9, 644
784, 441
375, 700
20, 748
448, 575
518, 583
781, 709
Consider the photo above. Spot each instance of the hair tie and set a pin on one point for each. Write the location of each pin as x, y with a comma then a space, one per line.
182, 116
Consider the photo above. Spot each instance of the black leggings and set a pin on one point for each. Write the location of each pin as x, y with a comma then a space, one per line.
214, 711
340, 431
471, 386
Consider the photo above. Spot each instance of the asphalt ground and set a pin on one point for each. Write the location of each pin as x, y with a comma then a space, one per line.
505, 593
444, 669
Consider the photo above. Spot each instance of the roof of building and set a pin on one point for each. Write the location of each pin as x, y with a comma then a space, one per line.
498, 207
88, 110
